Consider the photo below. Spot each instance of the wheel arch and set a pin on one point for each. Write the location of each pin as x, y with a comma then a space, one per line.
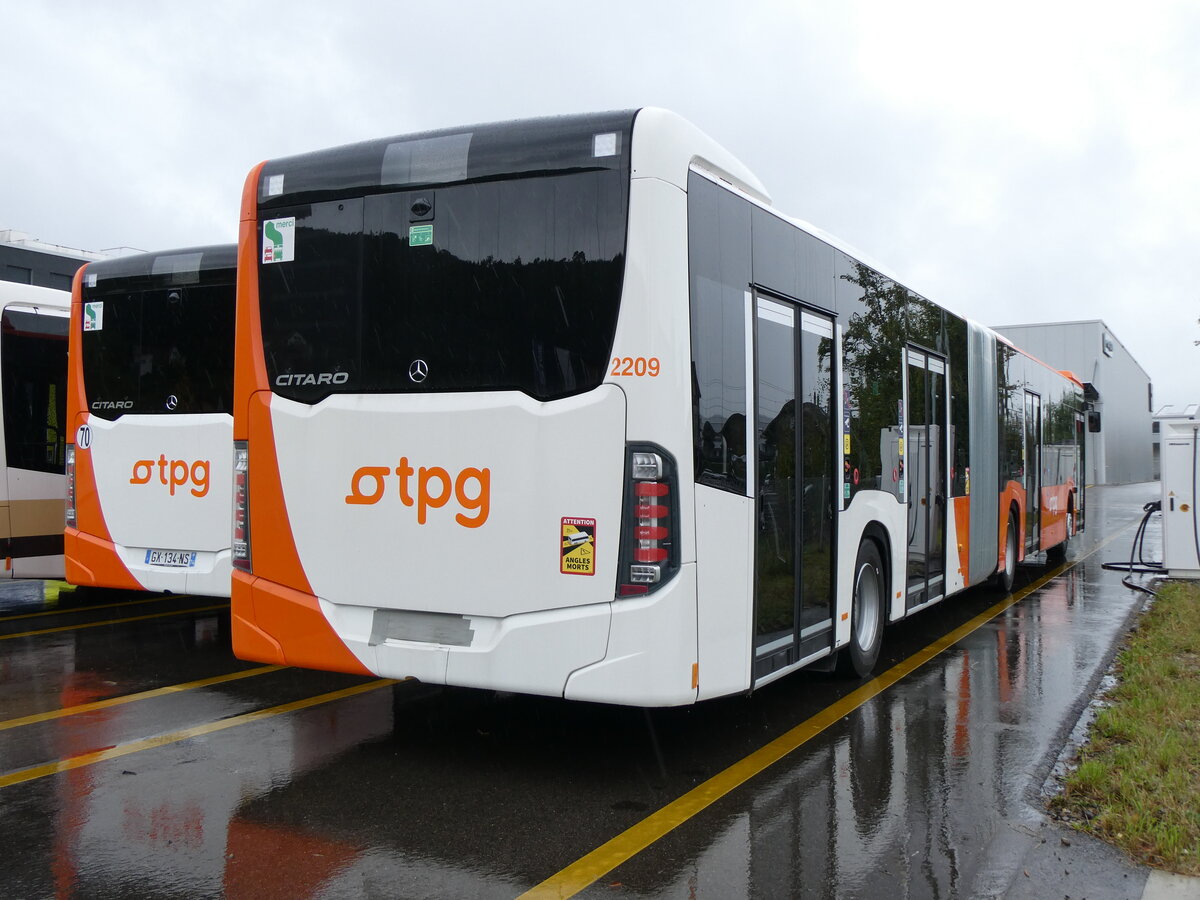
877, 532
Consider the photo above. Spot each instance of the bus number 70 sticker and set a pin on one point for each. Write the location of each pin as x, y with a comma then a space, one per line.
578, 546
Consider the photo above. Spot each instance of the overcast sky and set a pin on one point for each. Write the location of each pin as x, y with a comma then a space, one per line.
1038, 161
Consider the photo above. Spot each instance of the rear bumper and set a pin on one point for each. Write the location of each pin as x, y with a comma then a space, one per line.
632, 651
95, 562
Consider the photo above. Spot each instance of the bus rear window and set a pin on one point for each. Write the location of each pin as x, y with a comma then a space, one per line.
33, 355
494, 285
165, 351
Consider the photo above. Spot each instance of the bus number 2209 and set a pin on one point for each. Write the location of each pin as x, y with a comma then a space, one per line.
628, 365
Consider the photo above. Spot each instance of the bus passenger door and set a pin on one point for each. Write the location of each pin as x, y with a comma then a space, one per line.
925, 465
1033, 470
794, 418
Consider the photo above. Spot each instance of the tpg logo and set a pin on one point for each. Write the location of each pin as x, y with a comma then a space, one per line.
434, 488
173, 473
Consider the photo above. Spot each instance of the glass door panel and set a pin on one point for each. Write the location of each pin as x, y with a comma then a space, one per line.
796, 476
925, 464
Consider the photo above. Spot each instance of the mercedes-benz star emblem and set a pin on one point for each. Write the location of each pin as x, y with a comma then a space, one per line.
418, 371
172, 402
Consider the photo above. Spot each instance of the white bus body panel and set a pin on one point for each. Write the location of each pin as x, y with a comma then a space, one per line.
867, 507
31, 497
148, 516
674, 144
528, 625
651, 650
531, 653
725, 531
546, 462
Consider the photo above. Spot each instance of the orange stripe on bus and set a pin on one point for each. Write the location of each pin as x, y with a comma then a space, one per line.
273, 608
249, 364
93, 562
1013, 493
89, 555
280, 617
272, 546
962, 530
1054, 524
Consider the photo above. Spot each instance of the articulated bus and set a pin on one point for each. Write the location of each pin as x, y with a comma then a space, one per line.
150, 469
33, 391
565, 407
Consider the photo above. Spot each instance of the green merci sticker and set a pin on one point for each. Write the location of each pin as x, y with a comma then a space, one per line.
420, 235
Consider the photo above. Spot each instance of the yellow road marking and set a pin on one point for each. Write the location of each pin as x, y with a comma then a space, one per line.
595, 865
133, 698
73, 609
81, 626
87, 759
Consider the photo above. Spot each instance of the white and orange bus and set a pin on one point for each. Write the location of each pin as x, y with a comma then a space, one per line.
33, 392
566, 407
149, 469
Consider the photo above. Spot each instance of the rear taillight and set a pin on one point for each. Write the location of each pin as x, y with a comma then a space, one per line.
241, 506
70, 485
649, 545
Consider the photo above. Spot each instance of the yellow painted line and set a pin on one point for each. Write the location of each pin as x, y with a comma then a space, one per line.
586, 871
81, 626
33, 773
74, 609
133, 698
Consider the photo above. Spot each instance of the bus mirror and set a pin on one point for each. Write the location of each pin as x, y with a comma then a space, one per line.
1093, 421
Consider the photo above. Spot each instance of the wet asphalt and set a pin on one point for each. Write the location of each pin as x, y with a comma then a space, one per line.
139, 758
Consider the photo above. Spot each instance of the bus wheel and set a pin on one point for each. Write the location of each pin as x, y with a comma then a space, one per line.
858, 658
1058, 553
1007, 575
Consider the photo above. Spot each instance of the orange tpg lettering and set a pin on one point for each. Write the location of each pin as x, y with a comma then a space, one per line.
431, 488
173, 473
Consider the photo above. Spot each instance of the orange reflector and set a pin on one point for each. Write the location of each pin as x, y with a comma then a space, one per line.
845, 616
695, 675
897, 595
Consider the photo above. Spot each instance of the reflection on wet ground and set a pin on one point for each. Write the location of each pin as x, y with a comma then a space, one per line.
411, 791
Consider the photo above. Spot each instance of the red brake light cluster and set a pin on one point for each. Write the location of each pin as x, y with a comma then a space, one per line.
648, 548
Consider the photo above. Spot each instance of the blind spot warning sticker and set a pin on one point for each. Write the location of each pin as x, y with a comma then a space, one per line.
578, 546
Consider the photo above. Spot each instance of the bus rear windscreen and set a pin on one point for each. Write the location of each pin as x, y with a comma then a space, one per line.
493, 285
166, 351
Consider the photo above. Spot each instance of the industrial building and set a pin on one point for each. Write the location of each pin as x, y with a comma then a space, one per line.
1118, 388
27, 260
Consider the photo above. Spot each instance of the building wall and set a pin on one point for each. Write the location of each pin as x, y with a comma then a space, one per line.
25, 266
1121, 452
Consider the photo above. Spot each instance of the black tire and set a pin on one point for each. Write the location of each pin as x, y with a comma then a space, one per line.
858, 658
1007, 573
1058, 553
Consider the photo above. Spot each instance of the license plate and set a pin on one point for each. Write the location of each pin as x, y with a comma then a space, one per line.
180, 559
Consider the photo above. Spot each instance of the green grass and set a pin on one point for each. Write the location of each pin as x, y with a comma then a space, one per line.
1137, 784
